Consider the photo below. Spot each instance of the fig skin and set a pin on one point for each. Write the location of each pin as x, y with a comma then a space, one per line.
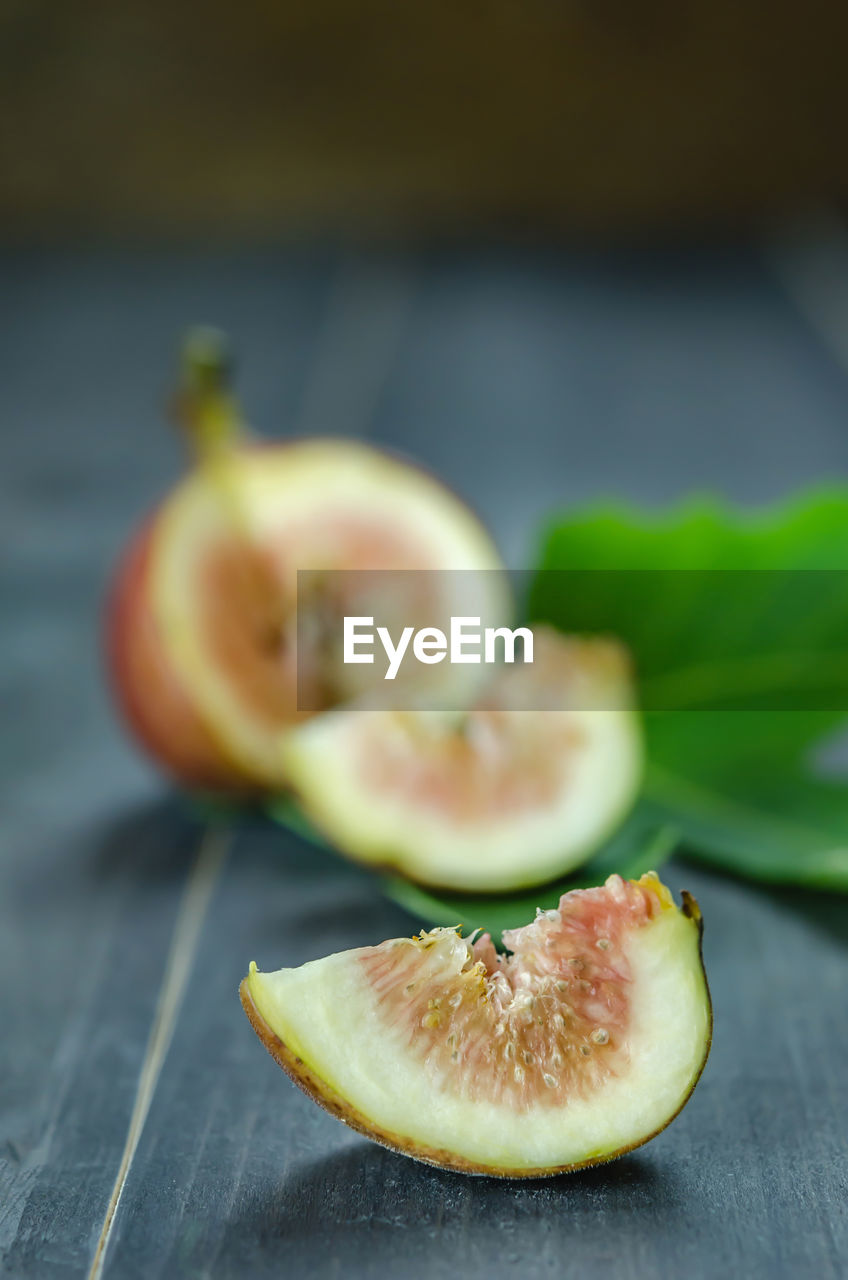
301, 1074
153, 702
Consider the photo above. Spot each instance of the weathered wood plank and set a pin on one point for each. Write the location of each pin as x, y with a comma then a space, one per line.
85, 925
93, 860
528, 379
238, 1174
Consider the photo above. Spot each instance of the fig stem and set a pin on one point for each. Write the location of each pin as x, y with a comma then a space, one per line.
211, 420
205, 409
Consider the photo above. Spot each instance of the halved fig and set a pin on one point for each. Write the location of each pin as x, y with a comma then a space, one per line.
504, 795
203, 628
581, 1043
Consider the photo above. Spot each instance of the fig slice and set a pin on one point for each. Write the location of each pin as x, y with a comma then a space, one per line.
582, 1042
504, 796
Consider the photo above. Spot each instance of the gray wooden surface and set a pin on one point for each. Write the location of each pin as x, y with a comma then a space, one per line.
142, 1127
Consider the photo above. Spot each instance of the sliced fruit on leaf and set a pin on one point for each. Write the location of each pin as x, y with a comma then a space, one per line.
582, 1043
494, 798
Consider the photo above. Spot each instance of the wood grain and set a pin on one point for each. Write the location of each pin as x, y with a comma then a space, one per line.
527, 378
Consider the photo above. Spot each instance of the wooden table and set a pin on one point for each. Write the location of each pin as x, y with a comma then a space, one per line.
144, 1130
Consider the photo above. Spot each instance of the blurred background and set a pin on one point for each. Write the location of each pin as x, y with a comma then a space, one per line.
271, 119
557, 250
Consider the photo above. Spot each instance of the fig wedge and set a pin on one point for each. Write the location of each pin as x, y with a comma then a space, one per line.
582, 1042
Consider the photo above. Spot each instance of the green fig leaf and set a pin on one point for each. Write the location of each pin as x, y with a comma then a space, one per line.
738, 699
